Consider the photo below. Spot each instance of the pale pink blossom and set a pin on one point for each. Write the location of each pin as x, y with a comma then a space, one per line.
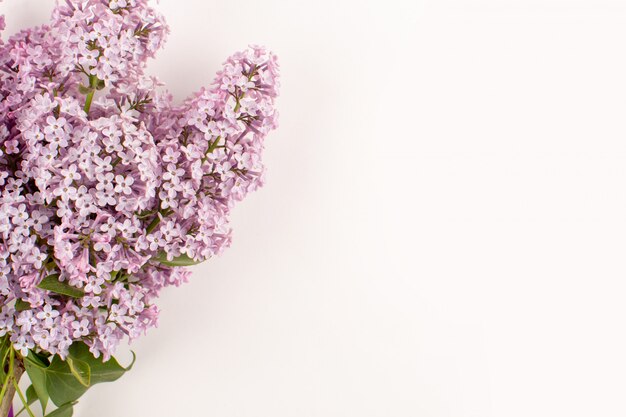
104, 181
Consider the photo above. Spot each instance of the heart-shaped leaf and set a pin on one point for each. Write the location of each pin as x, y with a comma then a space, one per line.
101, 371
65, 381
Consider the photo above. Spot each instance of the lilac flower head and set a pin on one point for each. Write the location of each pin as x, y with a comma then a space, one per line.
106, 186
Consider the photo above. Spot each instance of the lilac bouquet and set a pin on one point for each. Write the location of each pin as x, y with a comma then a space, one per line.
108, 190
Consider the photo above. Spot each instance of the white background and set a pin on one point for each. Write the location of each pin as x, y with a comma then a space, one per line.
443, 228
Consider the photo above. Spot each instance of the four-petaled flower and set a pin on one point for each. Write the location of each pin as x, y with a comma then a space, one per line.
103, 176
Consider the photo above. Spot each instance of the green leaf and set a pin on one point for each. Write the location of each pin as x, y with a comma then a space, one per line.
84, 90
21, 305
5, 344
52, 283
101, 85
35, 368
66, 410
40, 359
66, 385
61, 383
80, 370
31, 395
100, 371
114, 275
182, 260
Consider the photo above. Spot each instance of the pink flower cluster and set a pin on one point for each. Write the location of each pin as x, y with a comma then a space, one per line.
106, 186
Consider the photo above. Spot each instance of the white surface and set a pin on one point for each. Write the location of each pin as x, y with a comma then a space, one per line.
443, 228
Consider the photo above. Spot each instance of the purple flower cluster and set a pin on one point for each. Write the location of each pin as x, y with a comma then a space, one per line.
106, 186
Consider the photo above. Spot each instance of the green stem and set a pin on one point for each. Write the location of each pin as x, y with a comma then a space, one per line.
9, 374
13, 376
212, 146
238, 98
153, 224
93, 85
24, 401
88, 101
